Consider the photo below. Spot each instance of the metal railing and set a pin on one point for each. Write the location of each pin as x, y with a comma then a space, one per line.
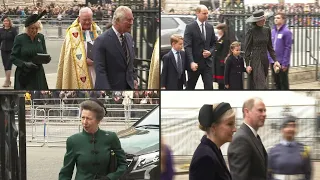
145, 31
52, 124
305, 33
179, 127
305, 30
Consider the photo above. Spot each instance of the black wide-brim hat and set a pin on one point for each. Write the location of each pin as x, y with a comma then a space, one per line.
34, 18
258, 16
208, 115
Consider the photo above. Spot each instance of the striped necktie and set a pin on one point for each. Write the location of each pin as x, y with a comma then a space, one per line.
125, 47
202, 31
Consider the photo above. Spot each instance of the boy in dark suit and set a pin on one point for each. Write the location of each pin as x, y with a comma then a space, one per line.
173, 74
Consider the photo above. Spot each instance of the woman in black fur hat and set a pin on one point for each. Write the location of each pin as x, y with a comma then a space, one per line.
28, 75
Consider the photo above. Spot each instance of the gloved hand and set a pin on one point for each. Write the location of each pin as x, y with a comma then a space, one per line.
30, 65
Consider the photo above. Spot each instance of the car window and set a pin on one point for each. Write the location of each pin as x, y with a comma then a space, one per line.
168, 23
151, 119
187, 20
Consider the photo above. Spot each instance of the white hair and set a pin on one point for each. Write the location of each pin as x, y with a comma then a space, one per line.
40, 25
85, 10
120, 13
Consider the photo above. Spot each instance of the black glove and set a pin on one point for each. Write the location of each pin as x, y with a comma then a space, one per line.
101, 178
30, 65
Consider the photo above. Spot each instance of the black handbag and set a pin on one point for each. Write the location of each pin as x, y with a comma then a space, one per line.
112, 167
113, 162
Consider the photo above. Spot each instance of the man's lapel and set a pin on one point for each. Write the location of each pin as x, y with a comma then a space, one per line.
118, 45
173, 60
198, 30
255, 141
130, 48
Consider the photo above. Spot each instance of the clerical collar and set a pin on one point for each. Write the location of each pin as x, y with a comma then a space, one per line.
87, 29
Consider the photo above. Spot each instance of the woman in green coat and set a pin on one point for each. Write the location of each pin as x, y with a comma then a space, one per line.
29, 76
90, 150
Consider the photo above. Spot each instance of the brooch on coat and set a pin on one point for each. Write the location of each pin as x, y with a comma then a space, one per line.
221, 41
39, 40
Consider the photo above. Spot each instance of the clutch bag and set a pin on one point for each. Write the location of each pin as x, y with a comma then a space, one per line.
41, 58
276, 68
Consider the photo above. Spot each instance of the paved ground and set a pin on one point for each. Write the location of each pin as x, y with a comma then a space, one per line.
53, 48
53, 44
185, 175
44, 163
310, 85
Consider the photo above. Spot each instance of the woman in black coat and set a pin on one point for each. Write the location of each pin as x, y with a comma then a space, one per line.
7, 35
222, 49
218, 121
257, 45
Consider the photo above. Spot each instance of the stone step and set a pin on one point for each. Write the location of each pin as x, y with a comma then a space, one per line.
297, 75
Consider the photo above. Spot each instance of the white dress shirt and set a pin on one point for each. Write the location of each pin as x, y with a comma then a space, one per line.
253, 130
175, 55
118, 35
204, 27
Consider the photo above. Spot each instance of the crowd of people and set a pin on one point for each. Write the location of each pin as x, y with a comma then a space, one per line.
275, 8
59, 10
76, 97
132, 103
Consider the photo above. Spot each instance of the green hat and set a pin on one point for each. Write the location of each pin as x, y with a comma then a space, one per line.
34, 18
208, 115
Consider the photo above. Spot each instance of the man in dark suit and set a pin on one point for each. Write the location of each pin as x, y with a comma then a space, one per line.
114, 54
173, 75
246, 154
199, 44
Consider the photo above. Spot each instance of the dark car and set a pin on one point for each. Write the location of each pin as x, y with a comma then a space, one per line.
141, 144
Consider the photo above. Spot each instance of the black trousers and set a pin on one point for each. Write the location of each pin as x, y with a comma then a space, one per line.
180, 84
206, 74
281, 79
221, 86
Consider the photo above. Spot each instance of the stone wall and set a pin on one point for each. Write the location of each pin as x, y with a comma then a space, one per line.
180, 5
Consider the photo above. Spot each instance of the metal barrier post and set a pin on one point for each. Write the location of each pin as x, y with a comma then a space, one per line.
43, 120
60, 29
22, 138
